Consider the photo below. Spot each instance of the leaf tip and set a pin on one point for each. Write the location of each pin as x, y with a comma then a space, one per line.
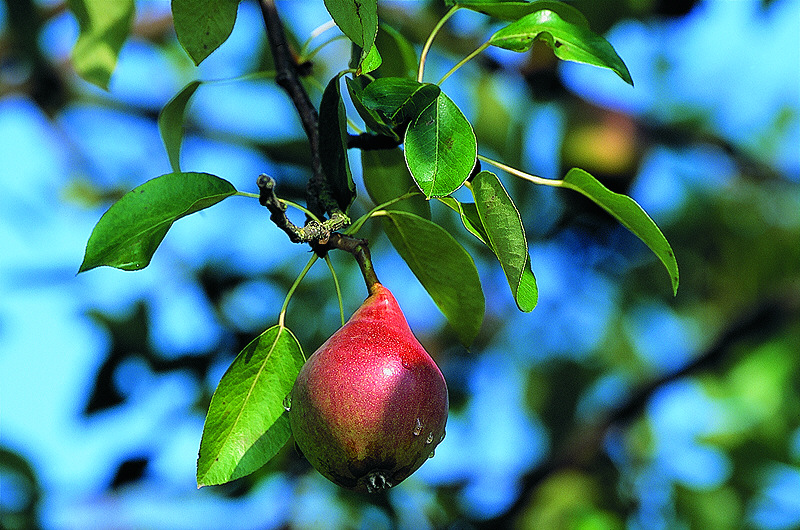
626, 77
86, 265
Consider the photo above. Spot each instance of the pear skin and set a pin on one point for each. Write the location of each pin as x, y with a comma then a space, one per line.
370, 405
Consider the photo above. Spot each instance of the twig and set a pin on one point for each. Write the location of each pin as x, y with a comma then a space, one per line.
360, 250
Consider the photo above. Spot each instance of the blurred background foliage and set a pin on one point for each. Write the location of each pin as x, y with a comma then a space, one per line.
612, 405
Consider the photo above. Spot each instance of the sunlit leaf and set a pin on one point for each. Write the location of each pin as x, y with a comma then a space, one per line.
443, 268
506, 234
570, 42
440, 148
333, 145
104, 28
398, 99
370, 62
203, 25
630, 214
170, 123
246, 423
358, 20
128, 234
516, 9
386, 177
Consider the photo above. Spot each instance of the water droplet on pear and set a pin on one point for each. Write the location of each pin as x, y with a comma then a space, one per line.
417, 427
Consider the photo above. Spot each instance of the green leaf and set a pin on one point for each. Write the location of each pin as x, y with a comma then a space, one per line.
104, 28
570, 42
358, 20
386, 177
203, 25
516, 9
170, 123
526, 292
506, 234
443, 268
128, 234
398, 99
469, 217
333, 145
370, 61
246, 423
440, 148
371, 118
399, 56
630, 214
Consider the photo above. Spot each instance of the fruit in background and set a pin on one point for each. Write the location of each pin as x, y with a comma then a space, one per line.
370, 405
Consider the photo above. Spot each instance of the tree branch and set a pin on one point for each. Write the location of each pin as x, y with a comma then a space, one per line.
287, 76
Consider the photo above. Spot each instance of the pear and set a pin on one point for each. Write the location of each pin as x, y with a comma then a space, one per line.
370, 405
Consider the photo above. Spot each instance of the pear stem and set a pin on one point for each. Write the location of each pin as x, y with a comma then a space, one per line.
359, 248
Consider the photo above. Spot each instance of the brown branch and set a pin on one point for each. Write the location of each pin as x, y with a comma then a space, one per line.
313, 232
287, 76
584, 443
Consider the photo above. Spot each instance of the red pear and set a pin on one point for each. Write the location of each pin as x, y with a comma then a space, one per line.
370, 405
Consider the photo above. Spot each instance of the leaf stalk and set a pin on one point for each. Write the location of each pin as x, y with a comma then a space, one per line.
428, 43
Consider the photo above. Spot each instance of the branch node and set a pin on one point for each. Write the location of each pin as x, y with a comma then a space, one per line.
314, 232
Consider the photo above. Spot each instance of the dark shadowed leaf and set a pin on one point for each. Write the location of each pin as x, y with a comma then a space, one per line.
170, 123
399, 56
128, 234
386, 177
503, 226
570, 42
440, 148
333, 145
203, 25
371, 118
104, 28
398, 99
630, 214
443, 268
246, 423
